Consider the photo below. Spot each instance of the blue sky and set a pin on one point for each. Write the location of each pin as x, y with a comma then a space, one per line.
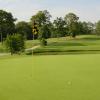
87, 10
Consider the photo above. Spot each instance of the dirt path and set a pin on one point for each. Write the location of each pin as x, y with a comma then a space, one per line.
4, 54
33, 48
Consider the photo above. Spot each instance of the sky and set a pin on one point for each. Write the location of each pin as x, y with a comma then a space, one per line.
86, 10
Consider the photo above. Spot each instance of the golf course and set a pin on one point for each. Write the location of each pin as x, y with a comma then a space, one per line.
53, 77
49, 50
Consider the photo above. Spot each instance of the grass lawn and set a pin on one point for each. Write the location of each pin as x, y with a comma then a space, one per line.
61, 77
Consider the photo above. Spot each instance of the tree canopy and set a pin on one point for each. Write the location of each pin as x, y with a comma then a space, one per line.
24, 29
98, 28
72, 23
60, 27
41, 26
7, 25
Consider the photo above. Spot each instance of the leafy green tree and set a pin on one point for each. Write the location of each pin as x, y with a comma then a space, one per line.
98, 28
24, 29
72, 23
81, 29
42, 19
43, 42
87, 27
59, 27
44, 32
15, 43
91, 27
7, 25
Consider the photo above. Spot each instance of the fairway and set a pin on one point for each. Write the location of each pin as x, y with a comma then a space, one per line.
66, 77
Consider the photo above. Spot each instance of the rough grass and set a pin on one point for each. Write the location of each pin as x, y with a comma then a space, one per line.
66, 45
70, 77
2, 48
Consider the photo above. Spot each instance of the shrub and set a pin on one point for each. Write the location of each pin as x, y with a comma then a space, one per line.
43, 42
15, 43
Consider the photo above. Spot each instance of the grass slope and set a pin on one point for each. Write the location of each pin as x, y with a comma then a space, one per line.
70, 77
81, 44
65, 45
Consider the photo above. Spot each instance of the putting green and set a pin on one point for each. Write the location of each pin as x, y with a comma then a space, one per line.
67, 77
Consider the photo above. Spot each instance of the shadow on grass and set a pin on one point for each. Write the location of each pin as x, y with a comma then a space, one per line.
66, 44
66, 52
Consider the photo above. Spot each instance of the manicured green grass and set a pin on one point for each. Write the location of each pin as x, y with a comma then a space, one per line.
62, 77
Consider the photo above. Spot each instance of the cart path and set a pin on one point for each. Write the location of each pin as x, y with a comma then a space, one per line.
33, 48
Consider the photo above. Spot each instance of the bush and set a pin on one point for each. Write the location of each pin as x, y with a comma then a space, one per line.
15, 43
43, 42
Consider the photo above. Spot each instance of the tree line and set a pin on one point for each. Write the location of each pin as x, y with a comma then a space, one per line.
41, 27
